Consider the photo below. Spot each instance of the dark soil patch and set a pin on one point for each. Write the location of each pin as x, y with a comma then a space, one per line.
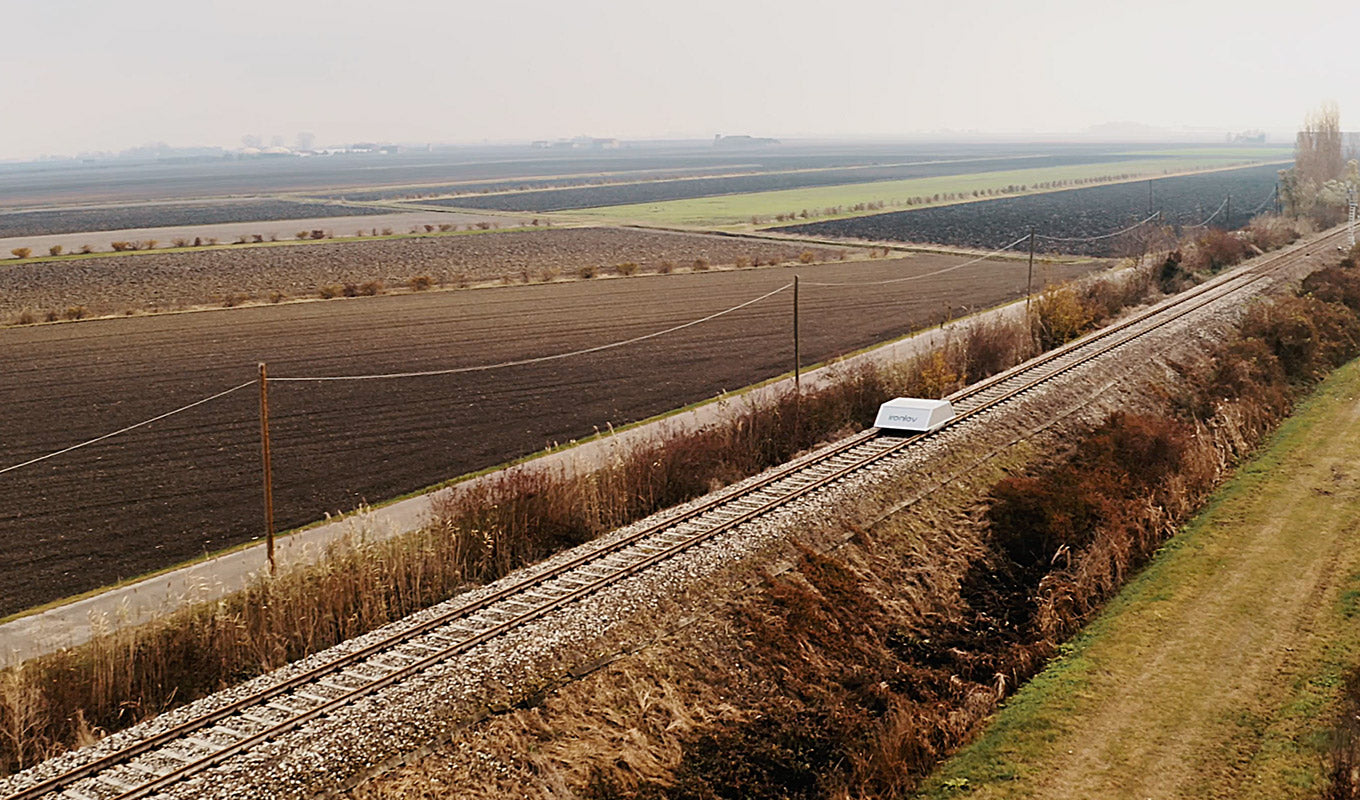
39, 223
1075, 213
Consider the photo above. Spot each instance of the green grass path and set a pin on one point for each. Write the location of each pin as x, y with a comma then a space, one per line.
1217, 671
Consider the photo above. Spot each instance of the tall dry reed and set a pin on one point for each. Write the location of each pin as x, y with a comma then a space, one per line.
481, 534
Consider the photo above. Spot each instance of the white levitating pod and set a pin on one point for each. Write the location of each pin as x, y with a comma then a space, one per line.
913, 414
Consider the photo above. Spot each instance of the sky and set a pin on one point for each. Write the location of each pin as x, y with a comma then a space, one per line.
88, 75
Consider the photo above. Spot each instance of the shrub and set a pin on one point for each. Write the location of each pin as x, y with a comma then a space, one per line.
302, 235
25, 317
992, 347
277, 296
429, 229
1107, 296
1172, 277
149, 244
626, 268
1216, 250
54, 250
371, 288
85, 248
1058, 316
807, 257
1034, 518
1335, 285
1308, 335
743, 262
586, 272
1272, 232
666, 267
329, 291
318, 234
700, 264
938, 376
181, 242
21, 252
420, 283
386, 231
51, 315
74, 312
549, 274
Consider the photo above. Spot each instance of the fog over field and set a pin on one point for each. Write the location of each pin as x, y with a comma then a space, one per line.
103, 77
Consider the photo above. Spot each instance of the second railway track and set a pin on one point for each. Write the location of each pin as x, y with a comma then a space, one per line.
157, 762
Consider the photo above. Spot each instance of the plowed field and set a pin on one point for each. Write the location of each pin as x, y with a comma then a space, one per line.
166, 281
1072, 215
190, 484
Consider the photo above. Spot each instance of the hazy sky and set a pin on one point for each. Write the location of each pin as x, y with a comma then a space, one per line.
94, 75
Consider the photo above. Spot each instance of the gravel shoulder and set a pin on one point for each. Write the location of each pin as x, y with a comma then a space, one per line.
1216, 673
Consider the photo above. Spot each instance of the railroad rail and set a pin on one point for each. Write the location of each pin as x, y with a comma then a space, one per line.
148, 766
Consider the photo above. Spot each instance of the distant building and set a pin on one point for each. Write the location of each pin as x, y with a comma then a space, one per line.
578, 143
742, 141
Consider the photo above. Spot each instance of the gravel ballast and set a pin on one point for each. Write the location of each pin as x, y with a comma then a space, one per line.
435, 704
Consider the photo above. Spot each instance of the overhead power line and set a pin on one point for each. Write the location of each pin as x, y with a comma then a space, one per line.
133, 427
941, 271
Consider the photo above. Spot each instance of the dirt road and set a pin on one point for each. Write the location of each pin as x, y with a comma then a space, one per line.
1216, 671
190, 484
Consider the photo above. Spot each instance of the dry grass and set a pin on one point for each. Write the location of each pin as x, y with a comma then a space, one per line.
481, 534
867, 680
851, 675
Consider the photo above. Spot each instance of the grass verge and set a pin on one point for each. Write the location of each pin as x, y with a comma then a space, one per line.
1156, 696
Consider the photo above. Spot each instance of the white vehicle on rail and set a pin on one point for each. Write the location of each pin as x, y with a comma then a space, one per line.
913, 415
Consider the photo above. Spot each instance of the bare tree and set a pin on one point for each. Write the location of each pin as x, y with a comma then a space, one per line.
1317, 151
1313, 185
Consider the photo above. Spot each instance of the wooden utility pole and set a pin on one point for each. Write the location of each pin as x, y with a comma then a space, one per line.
1029, 280
268, 468
797, 360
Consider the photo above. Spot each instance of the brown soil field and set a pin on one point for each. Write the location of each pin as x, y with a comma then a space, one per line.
227, 232
166, 281
190, 484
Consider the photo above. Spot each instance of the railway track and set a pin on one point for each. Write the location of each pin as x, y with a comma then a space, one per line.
144, 768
